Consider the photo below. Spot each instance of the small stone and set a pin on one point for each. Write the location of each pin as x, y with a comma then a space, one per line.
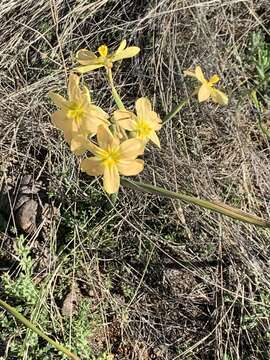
26, 216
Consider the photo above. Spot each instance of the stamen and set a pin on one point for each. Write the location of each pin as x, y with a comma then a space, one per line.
143, 129
103, 50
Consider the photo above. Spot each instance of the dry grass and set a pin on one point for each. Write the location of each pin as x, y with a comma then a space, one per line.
166, 280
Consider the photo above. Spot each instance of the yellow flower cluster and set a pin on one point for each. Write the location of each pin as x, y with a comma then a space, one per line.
118, 140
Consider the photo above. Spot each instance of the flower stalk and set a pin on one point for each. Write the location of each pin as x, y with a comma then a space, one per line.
218, 207
32, 327
115, 94
178, 108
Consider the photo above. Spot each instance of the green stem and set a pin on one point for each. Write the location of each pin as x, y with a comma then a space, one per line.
115, 94
263, 129
214, 206
178, 107
32, 327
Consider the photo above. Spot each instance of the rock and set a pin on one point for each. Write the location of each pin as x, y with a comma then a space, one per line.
26, 216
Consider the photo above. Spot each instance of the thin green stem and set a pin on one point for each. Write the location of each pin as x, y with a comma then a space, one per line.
115, 94
32, 327
178, 107
210, 205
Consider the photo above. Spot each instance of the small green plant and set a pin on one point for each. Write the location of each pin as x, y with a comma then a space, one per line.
26, 295
259, 58
23, 288
259, 61
83, 326
261, 313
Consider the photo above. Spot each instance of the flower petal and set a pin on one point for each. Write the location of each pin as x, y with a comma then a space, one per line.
85, 56
59, 101
92, 166
111, 179
153, 137
219, 97
214, 79
121, 47
90, 123
143, 107
130, 168
131, 148
98, 112
105, 138
85, 95
125, 119
94, 149
87, 68
60, 120
199, 74
126, 53
204, 92
79, 143
155, 120
73, 87
189, 73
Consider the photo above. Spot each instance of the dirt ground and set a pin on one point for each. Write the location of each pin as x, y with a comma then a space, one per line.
142, 277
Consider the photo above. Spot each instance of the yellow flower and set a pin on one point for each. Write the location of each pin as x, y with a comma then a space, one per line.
207, 89
77, 116
113, 159
91, 62
144, 125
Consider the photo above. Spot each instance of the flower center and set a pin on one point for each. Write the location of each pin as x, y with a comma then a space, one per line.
76, 111
143, 129
110, 156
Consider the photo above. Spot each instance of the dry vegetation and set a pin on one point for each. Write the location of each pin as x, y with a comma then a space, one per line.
143, 277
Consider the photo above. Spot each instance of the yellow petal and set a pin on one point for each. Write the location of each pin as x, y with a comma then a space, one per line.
86, 97
219, 97
92, 166
189, 73
111, 179
79, 143
204, 92
105, 137
126, 53
143, 107
59, 101
121, 47
60, 120
73, 87
85, 56
130, 168
98, 112
127, 124
154, 119
125, 119
90, 123
214, 79
131, 148
87, 68
75, 126
199, 74
103, 50
94, 149
153, 137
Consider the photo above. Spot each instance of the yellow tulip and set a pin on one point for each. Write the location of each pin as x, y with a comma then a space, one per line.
144, 125
112, 159
90, 61
207, 89
77, 116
